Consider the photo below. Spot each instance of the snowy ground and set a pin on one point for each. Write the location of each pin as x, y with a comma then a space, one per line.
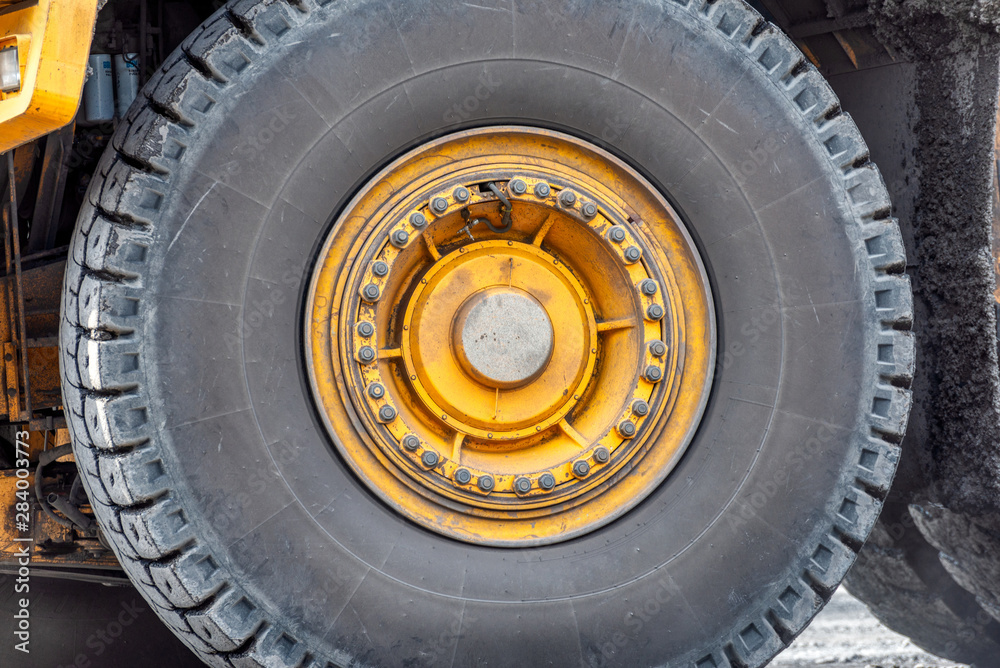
846, 635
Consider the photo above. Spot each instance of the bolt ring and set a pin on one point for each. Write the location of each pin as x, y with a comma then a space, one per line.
386, 414
542, 190
602, 455
411, 442
367, 354
655, 312
461, 194
522, 485
581, 469
365, 329
439, 205
463, 476
418, 220
547, 481
653, 374
429, 459
616, 234
640, 408
518, 187
649, 287
486, 483
376, 390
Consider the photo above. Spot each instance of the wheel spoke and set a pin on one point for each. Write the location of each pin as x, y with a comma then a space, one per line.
543, 230
611, 325
577, 437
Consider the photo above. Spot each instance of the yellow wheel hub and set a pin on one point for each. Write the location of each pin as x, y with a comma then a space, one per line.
510, 336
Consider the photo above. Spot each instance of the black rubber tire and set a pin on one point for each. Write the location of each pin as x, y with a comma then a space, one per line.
189, 404
899, 576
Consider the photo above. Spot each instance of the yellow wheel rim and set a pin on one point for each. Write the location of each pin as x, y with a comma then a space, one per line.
510, 336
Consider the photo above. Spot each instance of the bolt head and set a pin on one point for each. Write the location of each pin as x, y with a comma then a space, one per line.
616, 234
366, 354
380, 268
463, 477
589, 209
542, 190
653, 374
518, 187
567, 198
370, 292
626, 429
430, 459
411, 442
376, 391
658, 348
522, 485
632, 254
648, 287
655, 312
461, 194
386, 414
418, 220
365, 329
439, 205
640, 408
601, 455
400, 238
486, 483
547, 481
581, 469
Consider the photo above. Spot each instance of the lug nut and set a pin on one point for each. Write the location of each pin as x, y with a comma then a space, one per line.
400, 238
640, 408
589, 209
486, 483
567, 198
616, 234
626, 429
542, 190
547, 481
648, 287
366, 354
439, 205
658, 348
370, 292
411, 442
653, 374
463, 477
418, 220
380, 268
376, 390
581, 469
655, 312
601, 455
386, 414
522, 485
632, 254
429, 459
518, 187
365, 329
461, 194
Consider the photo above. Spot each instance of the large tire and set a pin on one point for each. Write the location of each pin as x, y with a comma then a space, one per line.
190, 407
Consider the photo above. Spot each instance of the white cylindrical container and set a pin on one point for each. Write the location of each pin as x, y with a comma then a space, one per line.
126, 80
99, 91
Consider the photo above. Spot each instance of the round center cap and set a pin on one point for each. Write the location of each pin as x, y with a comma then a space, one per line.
503, 337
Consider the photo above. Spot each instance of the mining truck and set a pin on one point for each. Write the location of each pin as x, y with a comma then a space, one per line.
503, 332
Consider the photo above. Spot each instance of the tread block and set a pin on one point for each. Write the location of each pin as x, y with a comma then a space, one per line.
896, 354
754, 642
856, 514
843, 141
734, 19
884, 245
796, 606
130, 192
867, 192
115, 423
775, 53
134, 477
813, 95
268, 19
112, 365
181, 91
829, 563
189, 580
877, 464
893, 300
157, 530
890, 409
274, 649
227, 622
153, 139
105, 306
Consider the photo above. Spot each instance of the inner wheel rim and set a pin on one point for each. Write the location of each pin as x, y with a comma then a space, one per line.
521, 330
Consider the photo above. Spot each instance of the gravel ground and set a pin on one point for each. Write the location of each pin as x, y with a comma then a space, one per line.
846, 635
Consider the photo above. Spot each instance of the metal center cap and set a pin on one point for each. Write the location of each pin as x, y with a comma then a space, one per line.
503, 336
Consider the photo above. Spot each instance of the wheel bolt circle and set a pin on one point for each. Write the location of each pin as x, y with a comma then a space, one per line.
522, 485
429, 458
486, 483
370, 292
386, 414
567, 198
640, 408
581, 469
626, 429
648, 287
547, 481
616, 234
461, 194
589, 209
632, 254
542, 190
365, 329
376, 390
655, 312
601, 455
366, 353
400, 238
463, 476
411, 442
518, 187
380, 268
658, 348
653, 374
418, 220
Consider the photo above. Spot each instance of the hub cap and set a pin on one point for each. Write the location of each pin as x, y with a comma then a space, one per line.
520, 330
